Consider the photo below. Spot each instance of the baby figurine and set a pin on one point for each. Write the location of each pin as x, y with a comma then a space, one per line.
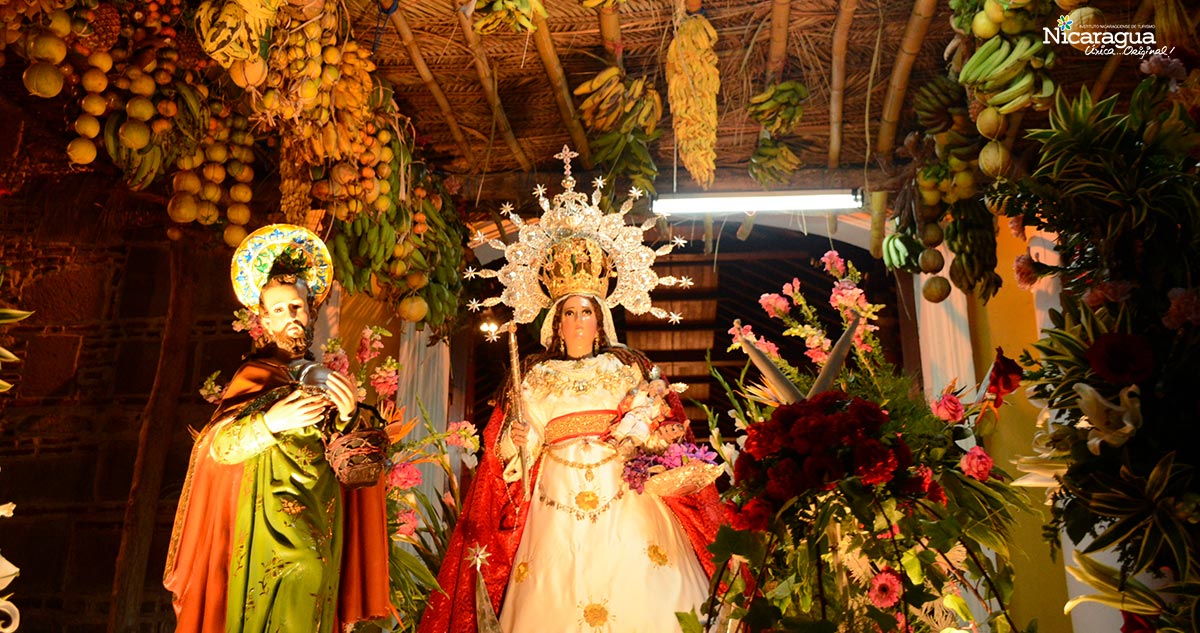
640, 414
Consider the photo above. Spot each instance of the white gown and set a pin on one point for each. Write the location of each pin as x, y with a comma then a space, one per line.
595, 555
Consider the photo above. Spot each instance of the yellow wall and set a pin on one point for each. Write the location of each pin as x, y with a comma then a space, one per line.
1007, 321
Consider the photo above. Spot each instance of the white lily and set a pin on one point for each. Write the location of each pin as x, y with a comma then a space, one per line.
1105, 421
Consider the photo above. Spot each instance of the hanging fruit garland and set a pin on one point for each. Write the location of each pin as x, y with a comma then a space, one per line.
495, 16
693, 82
622, 113
778, 109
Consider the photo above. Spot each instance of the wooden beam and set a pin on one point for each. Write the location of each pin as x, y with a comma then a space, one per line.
418, 60
837, 90
515, 187
610, 34
562, 91
777, 49
893, 101
488, 81
154, 440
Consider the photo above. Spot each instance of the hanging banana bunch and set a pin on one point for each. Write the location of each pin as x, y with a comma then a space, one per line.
622, 114
779, 108
235, 29
773, 162
493, 16
693, 82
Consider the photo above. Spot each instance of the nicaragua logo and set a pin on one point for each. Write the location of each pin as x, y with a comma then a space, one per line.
1084, 30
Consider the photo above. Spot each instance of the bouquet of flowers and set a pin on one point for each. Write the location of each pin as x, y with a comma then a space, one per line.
1116, 369
860, 507
683, 468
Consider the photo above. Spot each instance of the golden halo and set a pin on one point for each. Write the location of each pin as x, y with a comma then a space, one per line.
254, 257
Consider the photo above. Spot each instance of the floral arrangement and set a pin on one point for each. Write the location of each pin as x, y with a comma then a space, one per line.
1115, 372
644, 464
420, 525
860, 508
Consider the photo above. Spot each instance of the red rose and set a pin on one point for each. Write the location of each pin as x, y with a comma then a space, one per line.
873, 462
867, 414
976, 464
1121, 359
764, 439
755, 515
746, 470
784, 480
1005, 377
824, 471
948, 408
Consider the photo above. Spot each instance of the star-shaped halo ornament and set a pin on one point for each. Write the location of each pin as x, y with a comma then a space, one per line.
474, 305
679, 241
572, 217
674, 317
492, 336
477, 555
470, 273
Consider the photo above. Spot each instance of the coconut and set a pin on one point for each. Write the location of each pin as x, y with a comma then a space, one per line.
931, 260
991, 124
183, 207
1086, 20
43, 79
140, 108
87, 126
936, 289
186, 181
94, 104
48, 47
238, 213
241, 192
994, 159
233, 235
134, 134
81, 151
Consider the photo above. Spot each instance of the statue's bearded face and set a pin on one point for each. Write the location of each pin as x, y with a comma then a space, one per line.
285, 317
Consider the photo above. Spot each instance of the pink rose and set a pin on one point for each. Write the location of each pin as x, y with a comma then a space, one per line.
404, 476
976, 464
948, 408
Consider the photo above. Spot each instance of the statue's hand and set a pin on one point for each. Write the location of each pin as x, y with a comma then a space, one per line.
343, 393
519, 433
294, 411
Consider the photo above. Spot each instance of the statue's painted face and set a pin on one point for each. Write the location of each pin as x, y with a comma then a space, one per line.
285, 317
578, 325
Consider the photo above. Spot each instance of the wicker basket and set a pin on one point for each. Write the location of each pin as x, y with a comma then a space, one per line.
359, 457
689, 478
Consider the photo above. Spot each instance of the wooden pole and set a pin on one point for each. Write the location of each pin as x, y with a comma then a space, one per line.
610, 35
1110, 67
418, 60
837, 92
154, 440
914, 34
488, 81
562, 91
777, 49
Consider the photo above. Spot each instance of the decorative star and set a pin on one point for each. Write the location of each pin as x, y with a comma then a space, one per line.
470, 273
635, 193
674, 317
492, 336
477, 554
540, 191
599, 182
506, 208
474, 305
480, 237
679, 241
685, 282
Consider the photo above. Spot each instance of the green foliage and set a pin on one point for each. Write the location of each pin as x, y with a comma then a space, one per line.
8, 317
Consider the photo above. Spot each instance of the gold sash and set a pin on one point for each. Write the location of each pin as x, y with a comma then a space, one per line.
581, 423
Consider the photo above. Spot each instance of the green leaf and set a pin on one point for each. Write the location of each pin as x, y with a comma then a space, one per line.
7, 356
744, 543
5, 386
8, 315
912, 564
959, 606
689, 621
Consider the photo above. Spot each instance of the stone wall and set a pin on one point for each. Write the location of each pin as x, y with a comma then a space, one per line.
93, 264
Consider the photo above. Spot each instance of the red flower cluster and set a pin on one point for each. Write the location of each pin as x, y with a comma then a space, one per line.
813, 445
1005, 377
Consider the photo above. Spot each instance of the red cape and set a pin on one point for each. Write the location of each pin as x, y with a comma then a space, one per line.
493, 516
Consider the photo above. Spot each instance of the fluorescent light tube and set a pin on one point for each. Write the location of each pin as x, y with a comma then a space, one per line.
822, 200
